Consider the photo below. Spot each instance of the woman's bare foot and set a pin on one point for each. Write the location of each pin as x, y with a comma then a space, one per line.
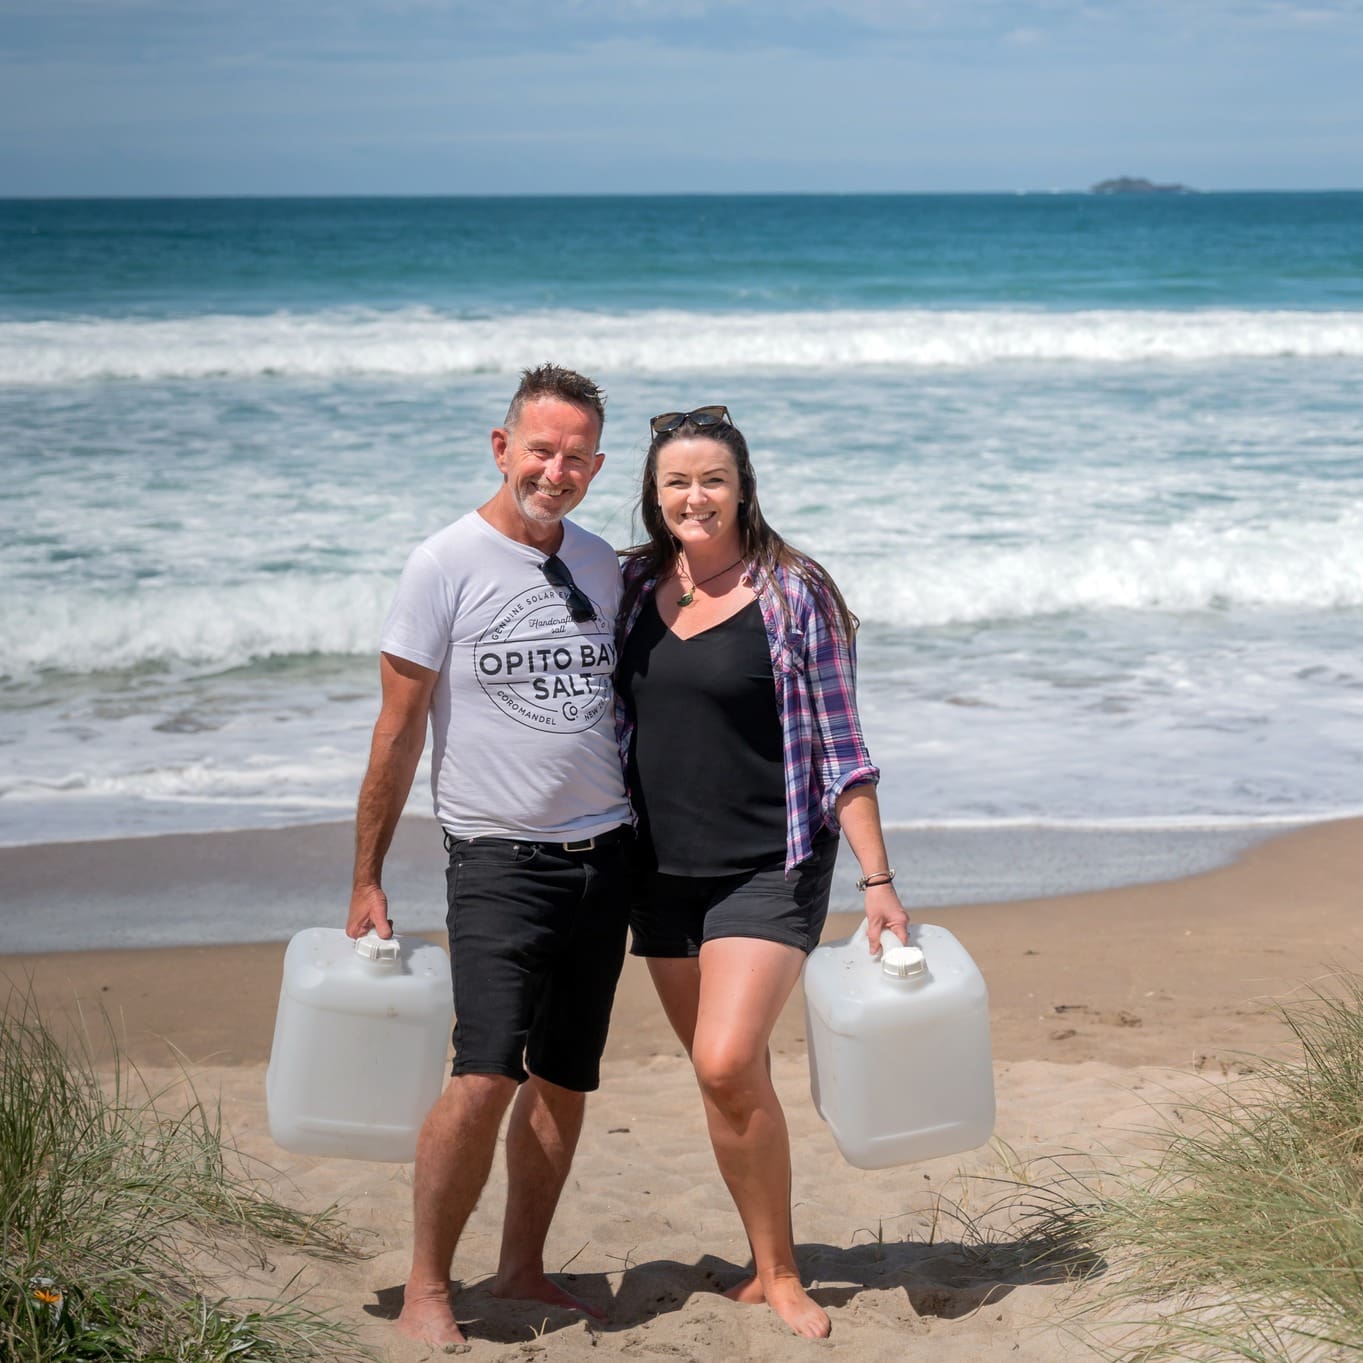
537, 1287
789, 1300
427, 1318
797, 1308
749, 1292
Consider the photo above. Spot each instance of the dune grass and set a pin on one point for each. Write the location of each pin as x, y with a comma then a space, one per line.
1244, 1241
120, 1213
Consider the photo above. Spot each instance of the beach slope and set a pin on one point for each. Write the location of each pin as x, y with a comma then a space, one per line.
1104, 1007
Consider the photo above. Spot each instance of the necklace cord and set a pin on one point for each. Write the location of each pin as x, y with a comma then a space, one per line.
688, 597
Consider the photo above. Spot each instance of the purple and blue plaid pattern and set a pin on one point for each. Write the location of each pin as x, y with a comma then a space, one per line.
814, 668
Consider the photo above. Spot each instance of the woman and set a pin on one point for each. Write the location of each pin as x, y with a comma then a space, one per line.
745, 759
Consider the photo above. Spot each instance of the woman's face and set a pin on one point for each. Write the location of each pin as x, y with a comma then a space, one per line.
698, 493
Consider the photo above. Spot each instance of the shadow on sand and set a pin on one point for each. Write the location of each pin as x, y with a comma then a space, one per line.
946, 1280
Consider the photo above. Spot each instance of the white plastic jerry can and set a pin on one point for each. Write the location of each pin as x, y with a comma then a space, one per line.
899, 1059
360, 1041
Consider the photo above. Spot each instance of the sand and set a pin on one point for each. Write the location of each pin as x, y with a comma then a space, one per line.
1106, 1007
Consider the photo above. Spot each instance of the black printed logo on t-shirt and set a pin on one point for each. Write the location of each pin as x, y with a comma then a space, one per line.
542, 667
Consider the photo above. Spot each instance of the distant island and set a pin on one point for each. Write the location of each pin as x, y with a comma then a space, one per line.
1131, 184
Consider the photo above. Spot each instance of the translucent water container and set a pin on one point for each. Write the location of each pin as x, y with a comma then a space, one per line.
360, 1041
899, 1059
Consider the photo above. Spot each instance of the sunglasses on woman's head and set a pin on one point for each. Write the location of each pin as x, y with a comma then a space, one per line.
557, 574
700, 416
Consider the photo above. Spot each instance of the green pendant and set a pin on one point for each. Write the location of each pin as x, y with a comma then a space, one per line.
687, 598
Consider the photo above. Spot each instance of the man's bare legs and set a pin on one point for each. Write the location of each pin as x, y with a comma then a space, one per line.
453, 1159
723, 1009
540, 1140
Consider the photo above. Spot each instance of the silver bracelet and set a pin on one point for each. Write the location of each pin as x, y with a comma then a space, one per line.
876, 878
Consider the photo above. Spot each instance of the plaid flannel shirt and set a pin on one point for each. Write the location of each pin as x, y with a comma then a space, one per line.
814, 669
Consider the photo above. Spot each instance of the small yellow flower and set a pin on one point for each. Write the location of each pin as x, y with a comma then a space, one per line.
50, 1296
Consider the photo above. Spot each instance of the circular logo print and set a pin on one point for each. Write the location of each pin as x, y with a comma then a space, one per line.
542, 667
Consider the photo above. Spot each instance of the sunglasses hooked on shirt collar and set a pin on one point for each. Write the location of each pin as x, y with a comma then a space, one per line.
698, 416
557, 574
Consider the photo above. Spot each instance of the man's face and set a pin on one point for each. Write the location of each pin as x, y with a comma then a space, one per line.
549, 458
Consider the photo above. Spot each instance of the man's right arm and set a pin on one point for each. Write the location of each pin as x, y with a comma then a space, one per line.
399, 737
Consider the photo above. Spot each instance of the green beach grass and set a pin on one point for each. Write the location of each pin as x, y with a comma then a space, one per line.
121, 1214
1244, 1239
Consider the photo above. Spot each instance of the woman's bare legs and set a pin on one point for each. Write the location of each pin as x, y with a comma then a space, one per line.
723, 1008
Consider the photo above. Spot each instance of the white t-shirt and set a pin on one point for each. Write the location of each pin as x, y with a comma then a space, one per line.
522, 715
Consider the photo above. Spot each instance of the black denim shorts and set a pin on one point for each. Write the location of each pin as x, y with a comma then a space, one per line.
674, 915
537, 939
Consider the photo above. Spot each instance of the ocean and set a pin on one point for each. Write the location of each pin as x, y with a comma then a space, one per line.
1089, 469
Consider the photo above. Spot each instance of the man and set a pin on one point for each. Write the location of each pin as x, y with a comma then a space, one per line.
502, 631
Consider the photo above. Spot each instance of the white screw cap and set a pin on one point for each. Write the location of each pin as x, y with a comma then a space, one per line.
374, 948
903, 962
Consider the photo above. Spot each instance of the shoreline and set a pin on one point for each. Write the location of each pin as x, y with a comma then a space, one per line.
264, 884
1160, 973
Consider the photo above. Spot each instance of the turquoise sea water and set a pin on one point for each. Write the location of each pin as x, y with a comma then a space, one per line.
1089, 469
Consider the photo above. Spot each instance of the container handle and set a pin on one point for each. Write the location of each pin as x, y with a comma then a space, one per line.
862, 933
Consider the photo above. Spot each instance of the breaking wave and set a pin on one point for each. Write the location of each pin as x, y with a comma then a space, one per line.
420, 342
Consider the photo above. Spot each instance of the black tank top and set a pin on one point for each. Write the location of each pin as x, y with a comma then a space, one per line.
705, 764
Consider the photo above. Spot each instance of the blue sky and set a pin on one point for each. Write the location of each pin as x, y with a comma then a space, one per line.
622, 96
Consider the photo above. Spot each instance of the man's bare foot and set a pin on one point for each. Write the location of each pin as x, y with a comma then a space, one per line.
537, 1287
749, 1292
427, 1318
797, 1308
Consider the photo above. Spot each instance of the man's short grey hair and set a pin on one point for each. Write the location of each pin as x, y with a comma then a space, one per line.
553, 381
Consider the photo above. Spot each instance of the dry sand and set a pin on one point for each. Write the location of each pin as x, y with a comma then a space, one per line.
1102, 1005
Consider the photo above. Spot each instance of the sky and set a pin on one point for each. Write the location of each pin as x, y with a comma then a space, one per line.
194, 97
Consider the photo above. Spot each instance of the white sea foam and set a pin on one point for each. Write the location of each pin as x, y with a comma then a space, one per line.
1121, 593
1266, 824
257, 782
83, 631
1289, 565
420, 342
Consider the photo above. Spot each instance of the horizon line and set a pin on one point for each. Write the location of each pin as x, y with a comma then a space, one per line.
1183, 192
